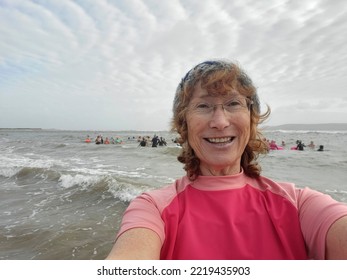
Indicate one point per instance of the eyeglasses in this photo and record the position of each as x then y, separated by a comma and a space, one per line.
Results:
233, 105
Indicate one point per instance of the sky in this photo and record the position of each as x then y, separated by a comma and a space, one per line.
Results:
115, 65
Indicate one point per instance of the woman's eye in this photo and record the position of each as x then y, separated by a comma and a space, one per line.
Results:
202, 106
233, 103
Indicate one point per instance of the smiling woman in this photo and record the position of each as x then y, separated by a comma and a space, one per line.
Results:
218, 140
223, 208
197, 96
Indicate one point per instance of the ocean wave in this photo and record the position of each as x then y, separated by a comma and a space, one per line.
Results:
9, 172
123, 189
67, 181
307, 131
37, 172
340, 195
29, 172
28, 165
336, 191
172, 150
123, 185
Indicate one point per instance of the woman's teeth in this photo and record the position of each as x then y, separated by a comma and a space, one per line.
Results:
220, 140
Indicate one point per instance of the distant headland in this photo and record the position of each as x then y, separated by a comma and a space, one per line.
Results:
20, 128
295, 127
314, 127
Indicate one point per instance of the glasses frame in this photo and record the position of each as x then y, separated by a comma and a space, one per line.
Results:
210, 107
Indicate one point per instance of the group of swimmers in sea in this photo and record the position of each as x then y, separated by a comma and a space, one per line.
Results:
155, 141
299, 146
144, 141
100, 140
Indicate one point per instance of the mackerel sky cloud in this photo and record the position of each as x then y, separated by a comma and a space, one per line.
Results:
115, 65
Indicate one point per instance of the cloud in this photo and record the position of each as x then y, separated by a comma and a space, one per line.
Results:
116, 64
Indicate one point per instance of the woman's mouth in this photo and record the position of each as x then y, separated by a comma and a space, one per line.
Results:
220, 140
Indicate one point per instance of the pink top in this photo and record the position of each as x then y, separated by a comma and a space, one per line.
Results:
235, 217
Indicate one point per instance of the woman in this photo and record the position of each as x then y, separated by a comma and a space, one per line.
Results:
223, 208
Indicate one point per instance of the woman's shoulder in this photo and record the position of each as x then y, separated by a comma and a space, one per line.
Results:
163, 196
287, 190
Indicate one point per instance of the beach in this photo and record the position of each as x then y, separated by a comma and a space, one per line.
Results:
62, 198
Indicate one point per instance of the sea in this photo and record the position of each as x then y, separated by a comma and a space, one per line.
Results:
63, 199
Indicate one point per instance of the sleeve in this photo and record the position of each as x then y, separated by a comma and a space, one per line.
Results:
317, 212
143, 212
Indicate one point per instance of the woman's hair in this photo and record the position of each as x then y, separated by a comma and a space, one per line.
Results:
218, 78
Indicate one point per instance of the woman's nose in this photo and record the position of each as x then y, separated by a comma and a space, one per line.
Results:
219, 118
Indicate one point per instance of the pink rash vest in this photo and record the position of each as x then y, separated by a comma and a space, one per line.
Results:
235, 217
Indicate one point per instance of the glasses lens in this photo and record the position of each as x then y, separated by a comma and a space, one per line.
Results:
232, 105
235, 104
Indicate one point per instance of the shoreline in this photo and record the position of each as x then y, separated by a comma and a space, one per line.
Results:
288, 127
308, 127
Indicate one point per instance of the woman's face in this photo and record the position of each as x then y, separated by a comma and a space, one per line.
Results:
218, 134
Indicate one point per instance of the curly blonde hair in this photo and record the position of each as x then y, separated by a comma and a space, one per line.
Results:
218, 77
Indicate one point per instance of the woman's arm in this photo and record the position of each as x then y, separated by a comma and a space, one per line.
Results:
136, 244
336, 241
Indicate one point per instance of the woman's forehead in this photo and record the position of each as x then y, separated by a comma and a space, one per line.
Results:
200, 92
